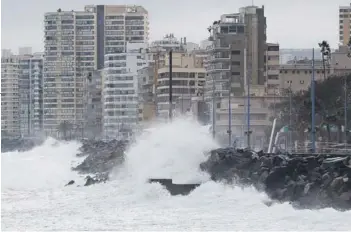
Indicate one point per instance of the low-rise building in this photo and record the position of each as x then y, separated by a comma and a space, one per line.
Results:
188, 79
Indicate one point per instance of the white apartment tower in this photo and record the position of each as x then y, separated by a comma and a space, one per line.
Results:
120, 91
10, 102
75, 45
30, 94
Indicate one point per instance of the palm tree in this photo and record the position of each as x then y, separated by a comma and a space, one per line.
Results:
325, 51
63, 128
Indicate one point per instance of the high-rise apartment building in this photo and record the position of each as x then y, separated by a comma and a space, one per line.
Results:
30, 94
272, 68
70, 53
236, 56
75, 45
120, 91
238, 50
344, 24
10, 102
21, 87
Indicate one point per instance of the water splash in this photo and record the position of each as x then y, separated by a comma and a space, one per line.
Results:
45, 166
170, 150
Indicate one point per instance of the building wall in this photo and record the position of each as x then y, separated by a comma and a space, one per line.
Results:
69, 56
299, 73
344, 24
120, 91
31, 94
75, 44
93, 128
10, 102
272, 68
186, 82
259, 119
298, 76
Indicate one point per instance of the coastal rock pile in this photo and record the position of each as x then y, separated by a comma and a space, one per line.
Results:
19, 144
101, 157
306, 181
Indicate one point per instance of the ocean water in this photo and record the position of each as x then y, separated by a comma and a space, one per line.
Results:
34, 198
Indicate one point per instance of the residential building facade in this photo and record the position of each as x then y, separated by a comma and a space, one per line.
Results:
10, 101
93, 126
75, 45
31, 94
120, 92
69, 55
272, 67
188, 79
344, 24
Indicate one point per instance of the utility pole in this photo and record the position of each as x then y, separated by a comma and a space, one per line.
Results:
247, 78
229, 99
313, 138
290, 116
170, 86
345, 110
213, 109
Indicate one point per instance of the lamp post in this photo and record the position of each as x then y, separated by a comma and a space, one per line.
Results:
229, 99
313, 135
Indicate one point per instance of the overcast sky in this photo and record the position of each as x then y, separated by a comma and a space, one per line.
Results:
294, 24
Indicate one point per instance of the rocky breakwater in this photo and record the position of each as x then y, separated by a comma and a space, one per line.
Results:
100, 158
304, 180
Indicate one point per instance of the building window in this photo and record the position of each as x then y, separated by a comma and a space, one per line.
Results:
302, 82
236, 52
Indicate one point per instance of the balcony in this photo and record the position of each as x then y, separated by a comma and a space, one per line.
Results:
217, 58
243, 122
217, 47
273, 72
218, 68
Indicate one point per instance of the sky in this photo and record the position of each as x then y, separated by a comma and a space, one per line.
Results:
292, 24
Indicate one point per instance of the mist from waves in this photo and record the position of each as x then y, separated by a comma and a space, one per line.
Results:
37, 200
45, 166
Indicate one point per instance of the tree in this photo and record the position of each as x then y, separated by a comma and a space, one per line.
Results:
329, 108
64, 128
325, 51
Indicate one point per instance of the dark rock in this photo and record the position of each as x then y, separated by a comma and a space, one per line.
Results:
101, 156
70, 183
304, 180
94, 180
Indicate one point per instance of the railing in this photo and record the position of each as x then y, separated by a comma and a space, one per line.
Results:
321, 148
